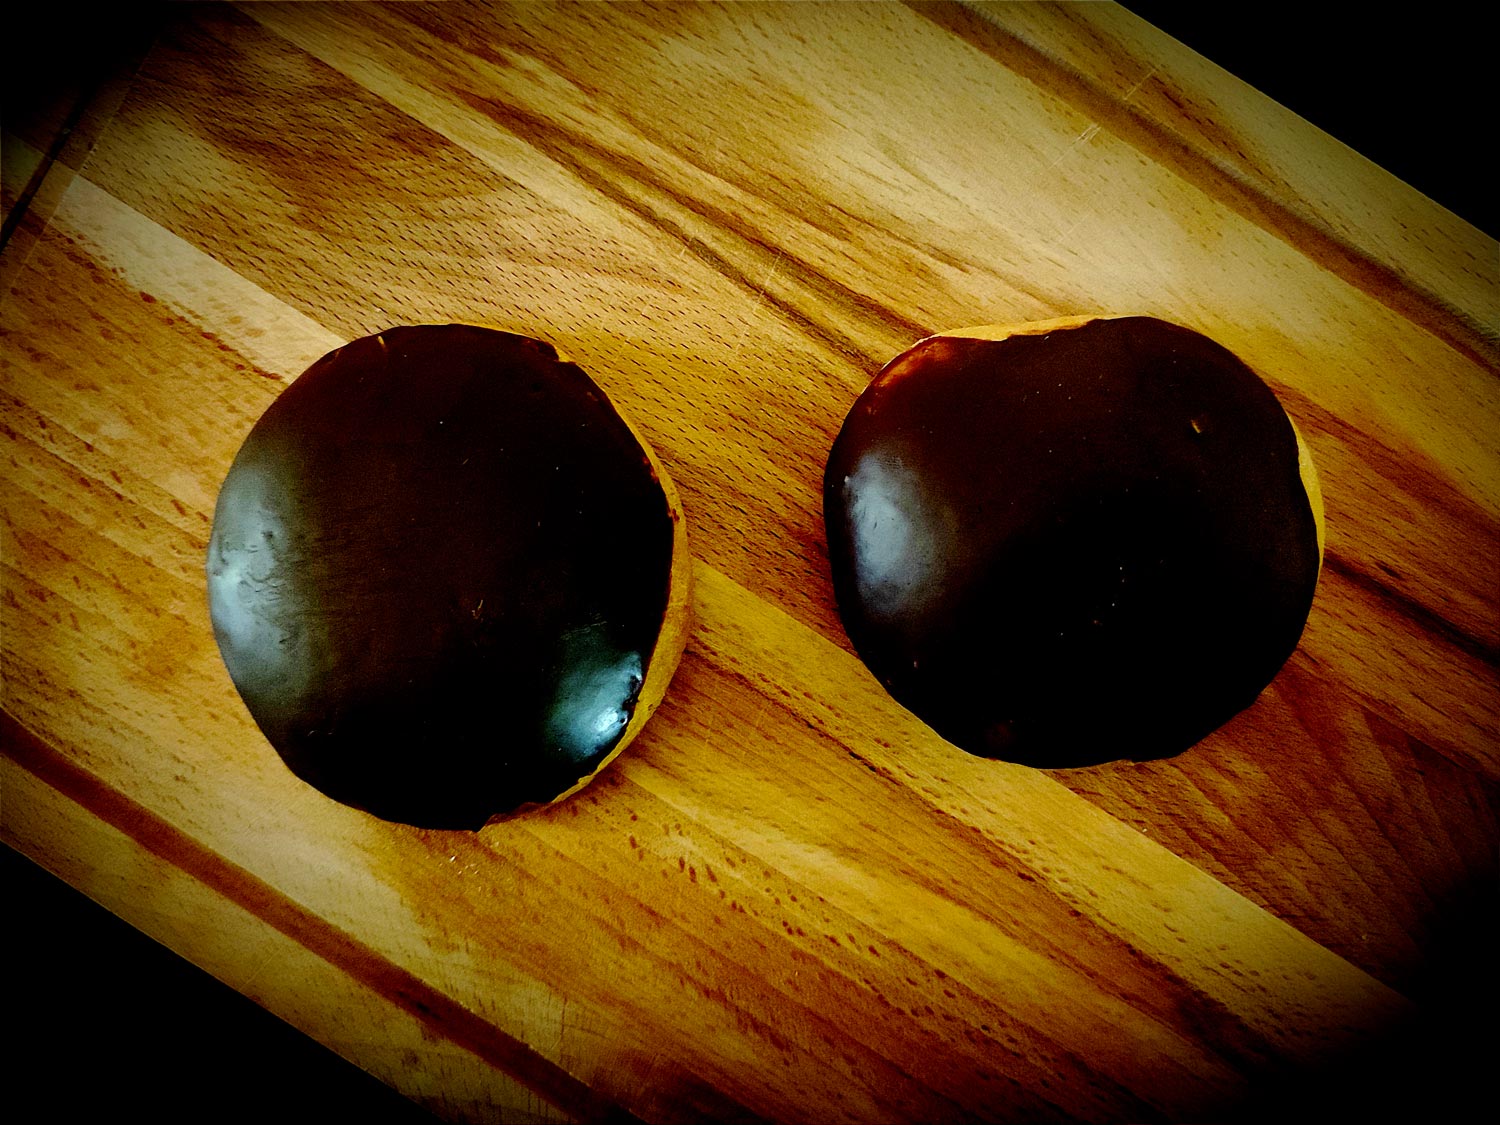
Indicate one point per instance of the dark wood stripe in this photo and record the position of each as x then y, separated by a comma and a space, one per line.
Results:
1419, 615
609, 173
440, 1014
1304, 233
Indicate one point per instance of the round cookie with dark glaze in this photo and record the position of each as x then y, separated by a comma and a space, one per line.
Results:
1072, 542
448, 579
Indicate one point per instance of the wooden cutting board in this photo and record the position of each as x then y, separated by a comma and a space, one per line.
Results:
788, 900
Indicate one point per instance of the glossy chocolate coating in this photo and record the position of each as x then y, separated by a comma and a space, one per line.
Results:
1068, 548
438, 569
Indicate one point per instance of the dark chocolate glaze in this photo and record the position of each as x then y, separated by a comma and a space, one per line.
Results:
438, 569
1069, 548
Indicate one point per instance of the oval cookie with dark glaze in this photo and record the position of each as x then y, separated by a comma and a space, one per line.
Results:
447, 577
1075, 541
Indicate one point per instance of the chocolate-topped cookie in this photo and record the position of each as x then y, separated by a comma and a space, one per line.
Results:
446, 576
1071, 542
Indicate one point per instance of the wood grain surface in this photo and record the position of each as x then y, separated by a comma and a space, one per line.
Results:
789, 899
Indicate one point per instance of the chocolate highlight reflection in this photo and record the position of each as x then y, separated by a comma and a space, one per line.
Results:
1072, 542
447, 578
